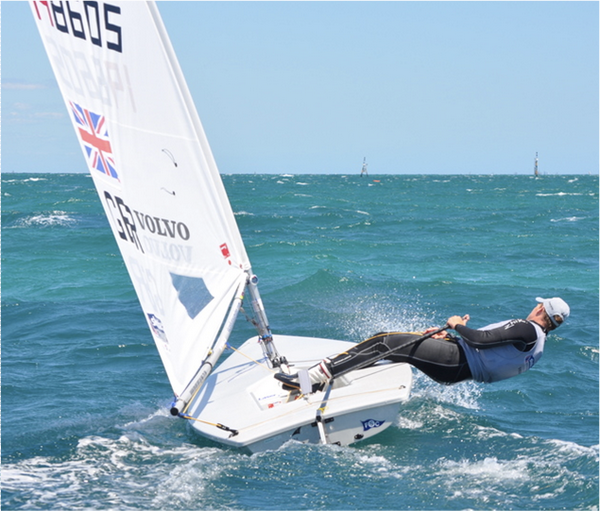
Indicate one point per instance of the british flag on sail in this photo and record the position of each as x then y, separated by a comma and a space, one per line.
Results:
94, 137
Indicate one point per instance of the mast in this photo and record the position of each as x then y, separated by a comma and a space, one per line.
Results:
535, 165
262, 326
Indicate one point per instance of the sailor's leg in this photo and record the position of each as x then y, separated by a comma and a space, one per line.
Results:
443, 360
368, 351
360, 355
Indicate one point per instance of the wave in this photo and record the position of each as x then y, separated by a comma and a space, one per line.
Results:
489, 479
123, 473
26, 180
567, 219
591, 352
572, 450
465, 394
53, 219
131, 472
562, 194
543, 472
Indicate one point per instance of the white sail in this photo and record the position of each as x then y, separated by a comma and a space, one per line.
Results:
153, 169
166, 204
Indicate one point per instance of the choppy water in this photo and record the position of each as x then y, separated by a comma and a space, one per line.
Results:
85, 420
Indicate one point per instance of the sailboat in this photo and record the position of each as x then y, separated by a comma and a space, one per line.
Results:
164, 199
535, 166
363, 170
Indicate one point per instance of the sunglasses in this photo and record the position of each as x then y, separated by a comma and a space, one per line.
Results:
553, 322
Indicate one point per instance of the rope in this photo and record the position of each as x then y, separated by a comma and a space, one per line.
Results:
251, 359
216, 424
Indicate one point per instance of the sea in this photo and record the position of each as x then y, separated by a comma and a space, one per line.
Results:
85, 399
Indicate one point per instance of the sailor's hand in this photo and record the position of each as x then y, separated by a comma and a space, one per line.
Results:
458, 320
440, 335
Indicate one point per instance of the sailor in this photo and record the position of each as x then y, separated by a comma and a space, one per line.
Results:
489, 354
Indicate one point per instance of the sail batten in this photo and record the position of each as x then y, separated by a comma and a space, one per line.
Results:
152, 166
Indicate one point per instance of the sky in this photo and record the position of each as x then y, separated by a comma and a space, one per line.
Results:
315, 87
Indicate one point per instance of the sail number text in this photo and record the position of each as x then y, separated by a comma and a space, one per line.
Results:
95, 21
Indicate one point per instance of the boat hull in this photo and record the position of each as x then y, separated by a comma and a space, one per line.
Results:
242, 395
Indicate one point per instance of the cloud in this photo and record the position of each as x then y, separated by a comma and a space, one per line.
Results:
21, 113
49, 115
21, 106
22, 86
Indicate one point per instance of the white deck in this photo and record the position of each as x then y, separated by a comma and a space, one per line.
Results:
244, 396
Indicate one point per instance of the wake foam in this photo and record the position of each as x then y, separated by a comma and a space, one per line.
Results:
53, 219
465, 394
127, 472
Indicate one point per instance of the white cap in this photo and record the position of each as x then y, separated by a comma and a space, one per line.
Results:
555, 307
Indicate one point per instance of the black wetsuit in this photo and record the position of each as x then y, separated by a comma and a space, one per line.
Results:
443, 360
